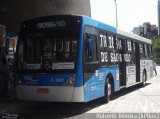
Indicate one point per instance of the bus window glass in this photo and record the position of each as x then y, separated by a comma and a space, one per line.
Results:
141, 48
133, 47
47, 48
148, 51
145, 48
38, 49
91, 48
30, 51
144, 51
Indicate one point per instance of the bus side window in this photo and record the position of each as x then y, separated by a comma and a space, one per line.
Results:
133, 46
91, 48
145, 51
150, 51
141, 50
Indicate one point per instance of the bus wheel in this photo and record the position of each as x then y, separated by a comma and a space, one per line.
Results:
108, 92
144, 79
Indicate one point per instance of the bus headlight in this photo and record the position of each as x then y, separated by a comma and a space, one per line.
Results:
70, 81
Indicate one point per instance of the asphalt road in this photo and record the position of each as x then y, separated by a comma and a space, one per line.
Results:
132, 100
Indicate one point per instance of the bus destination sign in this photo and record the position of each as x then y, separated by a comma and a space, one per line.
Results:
51, 24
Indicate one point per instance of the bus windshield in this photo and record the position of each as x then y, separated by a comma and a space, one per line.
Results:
42, 51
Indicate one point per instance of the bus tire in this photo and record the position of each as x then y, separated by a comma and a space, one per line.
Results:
108, 91
144, 78
105, 98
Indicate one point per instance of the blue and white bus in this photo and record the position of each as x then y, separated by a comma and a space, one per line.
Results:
69, 58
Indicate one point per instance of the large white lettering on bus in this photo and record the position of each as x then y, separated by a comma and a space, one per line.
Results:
118, 44
103, 40
104, 57
108, 42
111, 42
127, 57
116, 57
103, 44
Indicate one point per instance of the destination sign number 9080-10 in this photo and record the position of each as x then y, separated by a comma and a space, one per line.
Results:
51, 24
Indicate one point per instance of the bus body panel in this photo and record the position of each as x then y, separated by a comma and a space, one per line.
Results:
28, 85
146, 65
130, 76
44, 79
115, 72
50, 93
95, 85
50, 80
79, 70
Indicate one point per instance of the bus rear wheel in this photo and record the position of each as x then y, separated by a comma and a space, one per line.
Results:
144, 78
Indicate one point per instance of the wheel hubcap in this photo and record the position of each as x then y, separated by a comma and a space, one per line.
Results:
144, 79
109, 89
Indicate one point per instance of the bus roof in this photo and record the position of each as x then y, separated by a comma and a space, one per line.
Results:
95, 23
89, 21
107, 27
134, 36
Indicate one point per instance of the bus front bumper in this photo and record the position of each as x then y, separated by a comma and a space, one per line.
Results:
51, 94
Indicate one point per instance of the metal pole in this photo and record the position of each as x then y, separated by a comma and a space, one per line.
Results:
116, 13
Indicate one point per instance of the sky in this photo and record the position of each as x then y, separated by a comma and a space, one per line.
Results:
131, 13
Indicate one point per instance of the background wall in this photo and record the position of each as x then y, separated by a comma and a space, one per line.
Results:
13, 12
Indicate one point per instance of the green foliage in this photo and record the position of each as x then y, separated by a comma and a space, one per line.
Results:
156, 48
156, 43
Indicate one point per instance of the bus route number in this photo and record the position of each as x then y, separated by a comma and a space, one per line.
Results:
51, 24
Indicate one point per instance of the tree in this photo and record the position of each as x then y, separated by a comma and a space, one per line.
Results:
156, 48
